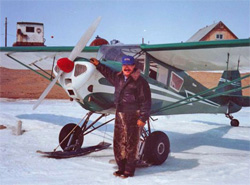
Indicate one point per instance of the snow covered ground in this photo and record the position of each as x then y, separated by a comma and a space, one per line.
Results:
205, 149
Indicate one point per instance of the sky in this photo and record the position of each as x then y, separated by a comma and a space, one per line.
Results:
157, 21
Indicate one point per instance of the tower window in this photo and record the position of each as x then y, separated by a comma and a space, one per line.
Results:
30, 29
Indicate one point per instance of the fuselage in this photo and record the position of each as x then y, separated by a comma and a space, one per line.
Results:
170, 88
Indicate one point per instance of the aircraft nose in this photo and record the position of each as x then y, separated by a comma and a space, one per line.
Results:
83, 70
79, 69
65, 64
74, 81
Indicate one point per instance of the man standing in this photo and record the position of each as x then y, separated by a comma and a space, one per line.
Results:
133, 103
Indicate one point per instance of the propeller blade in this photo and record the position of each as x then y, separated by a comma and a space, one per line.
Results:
47, 90
74, 53
84, 40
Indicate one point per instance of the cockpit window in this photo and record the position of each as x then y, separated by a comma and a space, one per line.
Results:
158, 72
115, 53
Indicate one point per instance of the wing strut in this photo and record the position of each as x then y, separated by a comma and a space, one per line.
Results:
28, 67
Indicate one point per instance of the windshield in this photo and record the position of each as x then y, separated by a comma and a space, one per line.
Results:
116, 52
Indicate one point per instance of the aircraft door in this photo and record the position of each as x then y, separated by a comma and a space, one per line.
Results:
162, 74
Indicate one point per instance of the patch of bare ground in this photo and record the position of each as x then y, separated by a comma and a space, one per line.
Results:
25, 84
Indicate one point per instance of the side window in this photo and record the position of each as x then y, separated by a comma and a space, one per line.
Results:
152, 70
176, 82
162, 74
140, 63
158, 72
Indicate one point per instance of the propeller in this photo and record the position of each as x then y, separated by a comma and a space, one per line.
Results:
69, 61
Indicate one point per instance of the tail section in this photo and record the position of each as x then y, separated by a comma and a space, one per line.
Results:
229, 76
235, 100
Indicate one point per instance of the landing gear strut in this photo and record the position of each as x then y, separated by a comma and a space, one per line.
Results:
234, 122
71, 136
71, 139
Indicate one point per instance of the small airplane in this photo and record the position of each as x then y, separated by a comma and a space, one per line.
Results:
164, 66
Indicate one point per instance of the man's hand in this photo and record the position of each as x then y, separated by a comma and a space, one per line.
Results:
140, 123
94, 61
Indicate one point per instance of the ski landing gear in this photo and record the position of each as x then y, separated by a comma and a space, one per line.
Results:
75, 153
71, 138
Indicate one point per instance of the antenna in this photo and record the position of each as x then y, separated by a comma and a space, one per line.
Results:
5, 31
238, 63
228, 55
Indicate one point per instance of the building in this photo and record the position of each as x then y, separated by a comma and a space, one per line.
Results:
216, 31
29, 34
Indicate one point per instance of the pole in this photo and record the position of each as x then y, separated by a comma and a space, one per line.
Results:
19, 128
5, 31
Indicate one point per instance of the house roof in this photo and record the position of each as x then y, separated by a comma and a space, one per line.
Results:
34, 23
199, 35
202, 32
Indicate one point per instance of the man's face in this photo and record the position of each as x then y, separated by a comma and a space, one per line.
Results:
127, 69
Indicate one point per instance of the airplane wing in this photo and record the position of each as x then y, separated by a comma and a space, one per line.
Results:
38, 57
189, 56
205, 55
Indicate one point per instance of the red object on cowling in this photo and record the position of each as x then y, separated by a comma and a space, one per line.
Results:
65, 65
99, 41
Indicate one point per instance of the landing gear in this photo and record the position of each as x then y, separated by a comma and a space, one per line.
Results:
157, 148
71, 139
71, 136
234, 122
